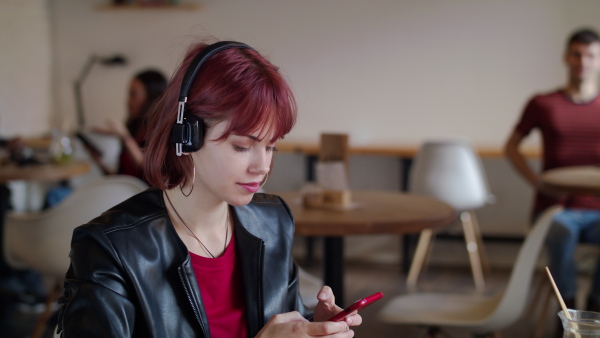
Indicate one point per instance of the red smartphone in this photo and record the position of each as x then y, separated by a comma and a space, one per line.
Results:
357, 306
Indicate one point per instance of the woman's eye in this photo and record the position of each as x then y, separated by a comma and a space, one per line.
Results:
273, 149
240, 149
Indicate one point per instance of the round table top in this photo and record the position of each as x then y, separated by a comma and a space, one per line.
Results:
376, 212
575, 180
43, 172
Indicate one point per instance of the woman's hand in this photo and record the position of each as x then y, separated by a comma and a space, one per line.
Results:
326, 308
112, 127
292, 324
130, 144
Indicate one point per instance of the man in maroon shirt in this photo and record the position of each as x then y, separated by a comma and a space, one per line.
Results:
569, 122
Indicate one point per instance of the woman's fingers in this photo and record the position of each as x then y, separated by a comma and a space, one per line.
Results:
326, 307
354, 320
329, 329
292, 324
293, 316
326, 297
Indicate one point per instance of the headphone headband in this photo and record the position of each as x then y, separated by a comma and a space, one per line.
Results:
199, 60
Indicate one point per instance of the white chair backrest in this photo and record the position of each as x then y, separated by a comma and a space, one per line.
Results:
42, 241
514, 298
451, 171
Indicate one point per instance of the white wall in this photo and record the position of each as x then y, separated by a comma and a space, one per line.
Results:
25, 67
384, 71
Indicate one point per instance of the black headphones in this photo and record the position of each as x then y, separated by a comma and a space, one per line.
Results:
188, 132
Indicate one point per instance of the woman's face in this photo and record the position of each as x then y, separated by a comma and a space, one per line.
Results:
232, 170
137, 98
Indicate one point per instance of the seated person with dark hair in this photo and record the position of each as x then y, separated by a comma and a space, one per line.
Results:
144, 89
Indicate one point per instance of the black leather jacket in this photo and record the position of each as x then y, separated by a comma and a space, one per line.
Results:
131, 275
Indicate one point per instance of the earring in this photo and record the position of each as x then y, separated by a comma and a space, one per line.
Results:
264, 180
193, 180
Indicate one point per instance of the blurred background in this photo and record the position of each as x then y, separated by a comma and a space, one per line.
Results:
385, 72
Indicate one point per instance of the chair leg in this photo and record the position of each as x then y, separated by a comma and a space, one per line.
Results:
418, 259
40, 326
485, 262
546, 294
540, 291
473, 250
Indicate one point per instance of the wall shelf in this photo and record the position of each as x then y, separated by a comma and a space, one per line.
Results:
150, 7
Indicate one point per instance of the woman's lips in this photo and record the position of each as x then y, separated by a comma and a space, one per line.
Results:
251, 187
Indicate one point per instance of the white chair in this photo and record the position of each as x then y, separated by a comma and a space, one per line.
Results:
451, 171
42, 241
476, 313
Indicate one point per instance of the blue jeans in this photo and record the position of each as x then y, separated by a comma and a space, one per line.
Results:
569, 228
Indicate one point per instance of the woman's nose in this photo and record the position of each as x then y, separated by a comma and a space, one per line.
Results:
262, 163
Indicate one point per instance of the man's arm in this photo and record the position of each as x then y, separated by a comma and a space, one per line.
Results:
517, 159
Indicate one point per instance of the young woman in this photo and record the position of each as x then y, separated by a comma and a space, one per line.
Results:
201, 254
144, 90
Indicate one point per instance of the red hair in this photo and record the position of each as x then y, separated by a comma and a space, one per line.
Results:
236, 84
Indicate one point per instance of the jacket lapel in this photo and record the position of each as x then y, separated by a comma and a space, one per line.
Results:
251, 258
190, 285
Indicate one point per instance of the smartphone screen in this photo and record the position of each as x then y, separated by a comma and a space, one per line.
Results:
356, 306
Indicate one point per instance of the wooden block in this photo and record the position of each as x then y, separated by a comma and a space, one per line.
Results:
312, 199
337, 197
334, 147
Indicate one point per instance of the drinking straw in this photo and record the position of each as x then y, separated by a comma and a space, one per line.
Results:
560, 299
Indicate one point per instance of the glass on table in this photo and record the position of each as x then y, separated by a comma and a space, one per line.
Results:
61, 149
583, 324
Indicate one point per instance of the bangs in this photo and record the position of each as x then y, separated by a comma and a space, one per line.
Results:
268, 108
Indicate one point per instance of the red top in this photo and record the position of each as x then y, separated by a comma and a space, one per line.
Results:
571, 137
220, 282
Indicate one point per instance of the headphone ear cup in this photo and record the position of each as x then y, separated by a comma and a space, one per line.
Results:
190, 133
197, 130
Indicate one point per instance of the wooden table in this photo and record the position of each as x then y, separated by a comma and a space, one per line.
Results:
404, 152
573, 180
392, 150
33, 175
43, 172
377, 212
